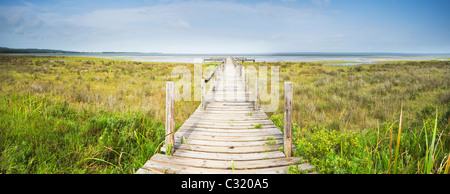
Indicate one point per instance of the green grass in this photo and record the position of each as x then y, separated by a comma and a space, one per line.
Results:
347, 118
371, 150
258, 126
90, 115
45, 136
81, 114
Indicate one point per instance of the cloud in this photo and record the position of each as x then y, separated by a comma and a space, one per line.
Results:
177, 24
181, 26
337, 37
321, 2
19, 19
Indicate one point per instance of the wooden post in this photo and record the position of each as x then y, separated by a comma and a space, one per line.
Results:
203, 94
243, 73
246, 79
170, 117
288, 101
213, 84
246, 85
256, 94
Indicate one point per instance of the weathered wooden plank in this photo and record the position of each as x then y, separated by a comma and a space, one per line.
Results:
179, 169
218, 113
236, 137
247, 136
230, 116
228, 109
232, 104
228, 149
229, 156
224, 119
241, 131
231, 126
232, 121
221, 164
233, 143
146, 171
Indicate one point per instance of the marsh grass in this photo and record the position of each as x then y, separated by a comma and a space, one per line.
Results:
376, 118
361, 97
372, 150
89, 115
82, 115
47, 136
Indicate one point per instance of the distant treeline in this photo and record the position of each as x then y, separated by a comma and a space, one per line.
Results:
11, 50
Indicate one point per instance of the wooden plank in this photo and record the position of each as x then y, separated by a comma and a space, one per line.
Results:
232, 121
207, 111
220, 164
178, 169
231, 116
237, 120
229, 156
232, 143
228, 117
223, 119
233, 104
228, 109
189, 133
232, 126
227, 149
219, 113
244, 132
146, 171
235, 138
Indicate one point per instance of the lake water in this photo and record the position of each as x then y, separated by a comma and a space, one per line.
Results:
349, 58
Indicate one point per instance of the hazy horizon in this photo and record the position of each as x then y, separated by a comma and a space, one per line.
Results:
291, 53
209, 27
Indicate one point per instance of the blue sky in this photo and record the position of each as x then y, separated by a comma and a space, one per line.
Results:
228, 26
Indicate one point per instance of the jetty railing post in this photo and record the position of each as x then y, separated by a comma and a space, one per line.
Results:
213, 84
170, 117
203, 94
246, 85
288, 101
243, 73
256, 94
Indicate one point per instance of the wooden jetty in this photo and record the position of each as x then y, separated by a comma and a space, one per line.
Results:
215, 59
228, 133
242, 59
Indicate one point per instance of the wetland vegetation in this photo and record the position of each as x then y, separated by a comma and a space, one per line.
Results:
82, 115
381, 118
88, 115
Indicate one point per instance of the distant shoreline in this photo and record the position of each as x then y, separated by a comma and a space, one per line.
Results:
326, 57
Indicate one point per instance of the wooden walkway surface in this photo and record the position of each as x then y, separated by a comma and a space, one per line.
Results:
229, 136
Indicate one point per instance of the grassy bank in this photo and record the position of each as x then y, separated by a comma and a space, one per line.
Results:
50, 136
347, 119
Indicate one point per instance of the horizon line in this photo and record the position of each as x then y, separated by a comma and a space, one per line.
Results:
217, 53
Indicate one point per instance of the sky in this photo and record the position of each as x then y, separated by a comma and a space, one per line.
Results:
200, 26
